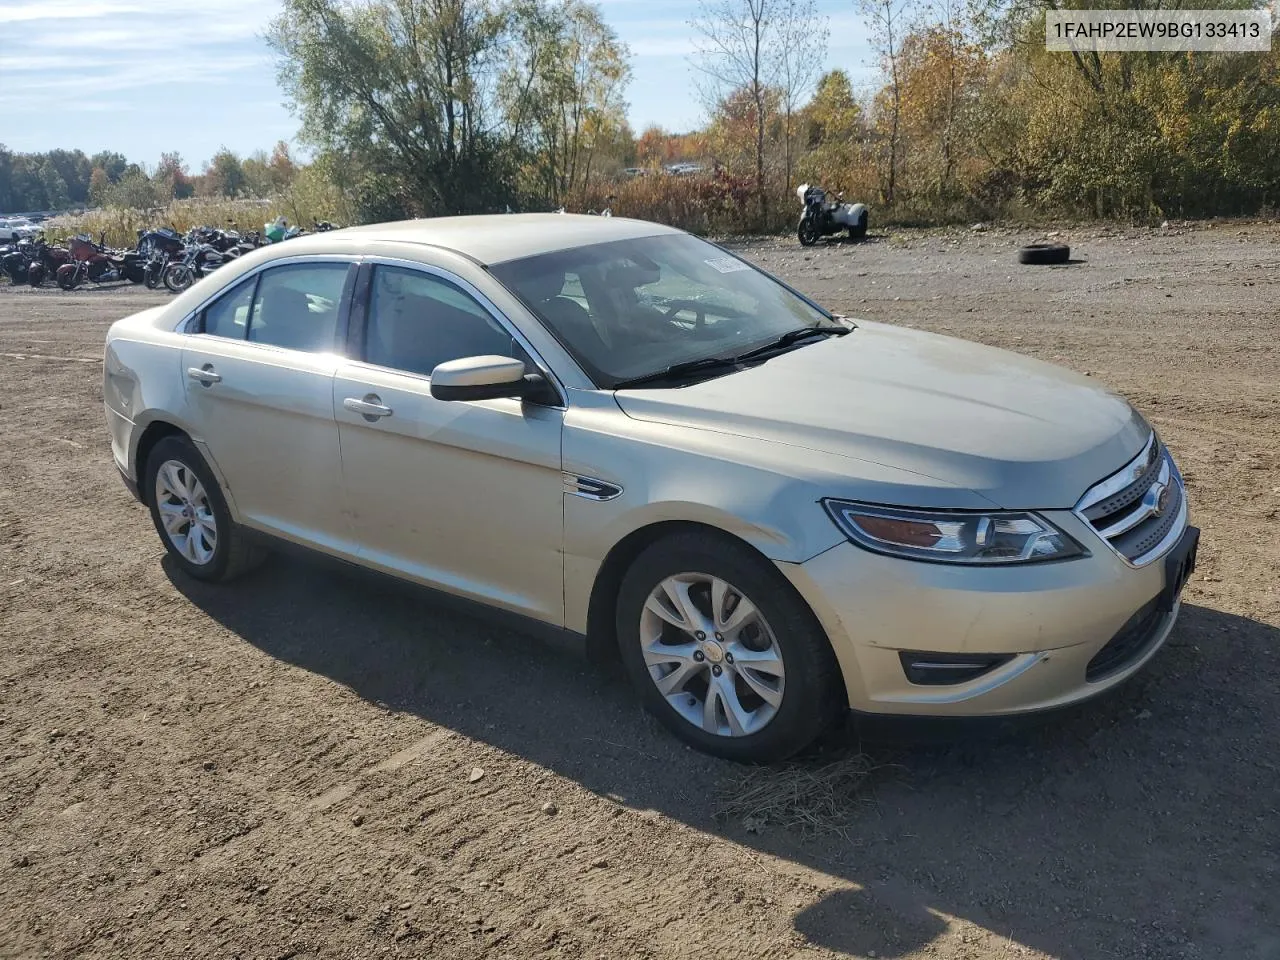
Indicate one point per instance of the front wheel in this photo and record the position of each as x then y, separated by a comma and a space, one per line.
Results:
807, 232
68, 277
35, 274
178, 276
723, 650
191, 515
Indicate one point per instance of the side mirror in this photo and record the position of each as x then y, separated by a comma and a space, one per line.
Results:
481, 378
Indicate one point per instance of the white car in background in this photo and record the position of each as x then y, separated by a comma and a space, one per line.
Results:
14, 229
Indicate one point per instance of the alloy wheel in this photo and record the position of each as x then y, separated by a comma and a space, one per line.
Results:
712, 655
185, 512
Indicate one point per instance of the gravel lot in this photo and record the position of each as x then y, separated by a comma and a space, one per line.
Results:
284, 768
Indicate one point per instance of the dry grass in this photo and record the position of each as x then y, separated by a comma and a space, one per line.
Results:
121, 226
811, 798
708, 204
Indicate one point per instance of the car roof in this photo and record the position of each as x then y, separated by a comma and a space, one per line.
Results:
497, 238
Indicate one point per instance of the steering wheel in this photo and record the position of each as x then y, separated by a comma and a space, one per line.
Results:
673, 307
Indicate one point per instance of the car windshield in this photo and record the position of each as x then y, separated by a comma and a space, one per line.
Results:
632, 308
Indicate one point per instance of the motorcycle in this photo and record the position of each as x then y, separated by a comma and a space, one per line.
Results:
15, 262
95, 263
199, 260
821, 217
159, 247
45, 261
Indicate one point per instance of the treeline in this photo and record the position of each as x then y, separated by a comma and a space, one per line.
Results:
65, 179
421, 107
430, 107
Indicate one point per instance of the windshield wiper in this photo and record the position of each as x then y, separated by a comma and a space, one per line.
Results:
792, 337
678, 370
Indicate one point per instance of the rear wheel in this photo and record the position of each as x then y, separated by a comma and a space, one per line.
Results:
859, 228
723, 651
191, 515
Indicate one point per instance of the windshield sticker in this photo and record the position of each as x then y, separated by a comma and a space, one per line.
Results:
727, 265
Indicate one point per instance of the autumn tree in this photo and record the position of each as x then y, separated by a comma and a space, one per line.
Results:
801, 50
561, 92
171, 178
738, 55
888, 21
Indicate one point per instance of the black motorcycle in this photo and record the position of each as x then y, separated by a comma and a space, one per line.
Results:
14, 261
198, 260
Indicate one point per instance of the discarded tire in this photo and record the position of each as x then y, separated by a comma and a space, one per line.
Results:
1044, 253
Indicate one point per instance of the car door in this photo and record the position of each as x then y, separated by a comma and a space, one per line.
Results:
259, 377
464, 496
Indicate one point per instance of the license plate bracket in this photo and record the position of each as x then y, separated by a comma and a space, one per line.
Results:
1179, 564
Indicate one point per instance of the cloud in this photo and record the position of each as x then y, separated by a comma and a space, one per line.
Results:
25, 11
86, 49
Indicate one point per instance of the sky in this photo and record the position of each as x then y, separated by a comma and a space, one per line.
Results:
147, 76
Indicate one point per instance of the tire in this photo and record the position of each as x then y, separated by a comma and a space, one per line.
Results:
807, 233
811, 690
151, 276
178, 277
1041, 254
68, 277
35, 274
175, 464
135, 271
859, 229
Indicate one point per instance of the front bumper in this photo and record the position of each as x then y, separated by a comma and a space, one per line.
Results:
1053, 618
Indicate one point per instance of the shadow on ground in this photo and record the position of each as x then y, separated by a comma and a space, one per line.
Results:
1097, 835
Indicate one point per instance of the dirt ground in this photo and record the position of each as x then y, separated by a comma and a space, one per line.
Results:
283, 768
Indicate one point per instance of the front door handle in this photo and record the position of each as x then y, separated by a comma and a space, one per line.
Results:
370, 407
204, 374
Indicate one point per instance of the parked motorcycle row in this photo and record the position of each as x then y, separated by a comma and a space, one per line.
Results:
162, 257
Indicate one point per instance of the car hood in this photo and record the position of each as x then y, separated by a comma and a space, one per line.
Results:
1020, 433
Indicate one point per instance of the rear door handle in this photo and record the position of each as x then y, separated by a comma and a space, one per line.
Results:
370, 407
204, 374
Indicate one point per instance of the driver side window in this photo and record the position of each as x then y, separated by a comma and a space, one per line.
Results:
418, 320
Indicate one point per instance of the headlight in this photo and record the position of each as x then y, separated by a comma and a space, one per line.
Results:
977, 538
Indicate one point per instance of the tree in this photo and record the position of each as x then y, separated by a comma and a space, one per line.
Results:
802, 47
134, 191
171, 177
224, 175
99, 185
281, 168
403, 89
888, 20
739, 49
55, 187
562, 91
111, 163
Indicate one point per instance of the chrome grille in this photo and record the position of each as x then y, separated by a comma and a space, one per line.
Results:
1141, 510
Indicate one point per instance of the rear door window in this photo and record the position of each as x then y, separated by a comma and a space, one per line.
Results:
297, 306
228, 316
